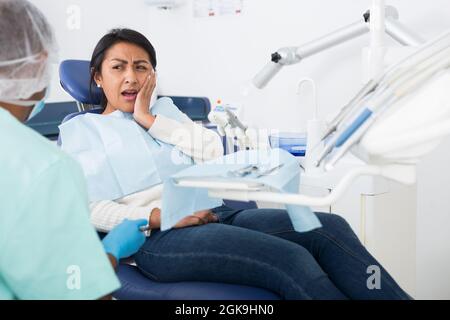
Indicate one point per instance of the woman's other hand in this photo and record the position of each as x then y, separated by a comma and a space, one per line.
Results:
141, 111
196, 219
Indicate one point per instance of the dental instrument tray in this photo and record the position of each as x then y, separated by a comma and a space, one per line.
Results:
220, 183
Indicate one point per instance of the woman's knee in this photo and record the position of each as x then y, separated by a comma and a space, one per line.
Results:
331, 220
336, 227
269, 221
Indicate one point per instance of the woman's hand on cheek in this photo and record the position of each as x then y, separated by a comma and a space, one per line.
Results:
141, 112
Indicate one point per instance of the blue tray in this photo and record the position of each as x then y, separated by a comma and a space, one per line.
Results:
292, 142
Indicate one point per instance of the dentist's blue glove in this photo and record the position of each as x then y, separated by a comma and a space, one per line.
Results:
125, 239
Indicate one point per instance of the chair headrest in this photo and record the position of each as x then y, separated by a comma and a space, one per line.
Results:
75, 80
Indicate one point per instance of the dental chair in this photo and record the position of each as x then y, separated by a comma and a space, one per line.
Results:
75, 80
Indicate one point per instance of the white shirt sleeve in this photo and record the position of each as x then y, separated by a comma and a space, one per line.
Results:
105, 215
192, 139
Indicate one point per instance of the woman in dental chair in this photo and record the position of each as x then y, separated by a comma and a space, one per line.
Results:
125, 155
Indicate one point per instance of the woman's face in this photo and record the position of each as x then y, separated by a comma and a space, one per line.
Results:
124, 70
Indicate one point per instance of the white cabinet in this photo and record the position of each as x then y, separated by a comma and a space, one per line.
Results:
389, 224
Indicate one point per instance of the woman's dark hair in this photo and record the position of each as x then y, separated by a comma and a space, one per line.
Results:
110, 39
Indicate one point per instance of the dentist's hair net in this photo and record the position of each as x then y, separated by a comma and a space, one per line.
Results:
27, 46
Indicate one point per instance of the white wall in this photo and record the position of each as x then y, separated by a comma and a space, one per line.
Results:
216, 57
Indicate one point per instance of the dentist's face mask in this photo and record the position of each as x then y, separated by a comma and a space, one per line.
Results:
37, 105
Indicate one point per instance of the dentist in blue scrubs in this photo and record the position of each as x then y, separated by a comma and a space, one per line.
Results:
48, 248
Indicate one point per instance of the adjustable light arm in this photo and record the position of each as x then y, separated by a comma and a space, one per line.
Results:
292, 55
400, 33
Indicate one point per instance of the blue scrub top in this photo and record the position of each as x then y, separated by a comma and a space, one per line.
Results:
48, 248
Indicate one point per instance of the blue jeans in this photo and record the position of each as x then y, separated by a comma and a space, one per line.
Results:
259, 247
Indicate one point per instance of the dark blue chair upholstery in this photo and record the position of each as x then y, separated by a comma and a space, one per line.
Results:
75, 79
196, 108
136, 286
